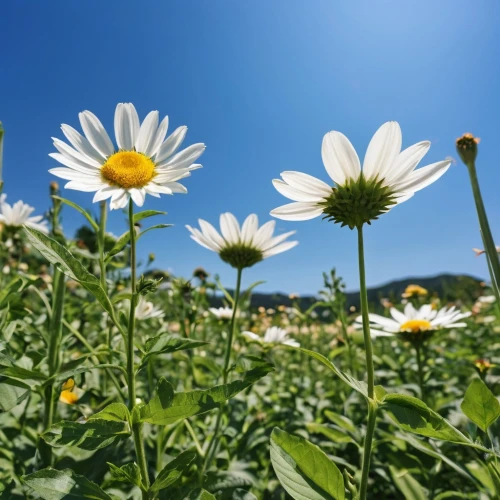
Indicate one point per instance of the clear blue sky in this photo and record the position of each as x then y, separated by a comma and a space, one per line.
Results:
260, 83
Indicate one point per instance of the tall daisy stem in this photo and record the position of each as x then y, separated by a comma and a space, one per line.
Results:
100, 240
420, 366
212, 446
372, 408
489, 244
136, 428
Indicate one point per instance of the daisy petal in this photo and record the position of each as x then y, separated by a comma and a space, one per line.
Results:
126, 126
297, 211
96, 133
382, 150
340, 158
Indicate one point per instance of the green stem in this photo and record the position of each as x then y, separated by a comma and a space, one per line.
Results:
54, 360
370, 427
489, 244
100, 241
212, 446
136, 428
420, 372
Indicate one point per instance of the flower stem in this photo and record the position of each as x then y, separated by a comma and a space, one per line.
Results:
136, 428
420, 372
489, 244
212, 446
370, 426
100, 240
55, 337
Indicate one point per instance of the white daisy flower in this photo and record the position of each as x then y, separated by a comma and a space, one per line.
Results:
147, 310
18, 214
413, 322
245, 246
273, 335
143, 163
224, 313
388, 177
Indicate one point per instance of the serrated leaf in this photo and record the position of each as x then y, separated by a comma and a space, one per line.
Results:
480, 405
304, 470
115, 412
91, 435
166, 407
51, 484
62, 258
357, 385
128, 473
173, 471
145, 214
415, 416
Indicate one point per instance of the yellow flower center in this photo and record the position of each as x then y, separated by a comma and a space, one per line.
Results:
416, 326
128, 169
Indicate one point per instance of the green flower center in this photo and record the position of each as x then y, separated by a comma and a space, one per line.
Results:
241, 256
357, 202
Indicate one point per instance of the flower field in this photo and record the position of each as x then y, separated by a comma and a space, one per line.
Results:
120, 380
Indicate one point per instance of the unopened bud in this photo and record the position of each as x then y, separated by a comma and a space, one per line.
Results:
54, 188
467, 148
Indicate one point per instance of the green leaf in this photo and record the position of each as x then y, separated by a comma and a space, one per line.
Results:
333, 434
129, 473
12, 287
29, 377
407, 484
357, 385
152, 228
12, 393
415, 416
239, 494
341, 421
145, 214
173, 471
119, 245
165, 343
199, 494
62, 258
91, 435
84, 212
166, 407
51, 484
480, 405
115, 412
303, 469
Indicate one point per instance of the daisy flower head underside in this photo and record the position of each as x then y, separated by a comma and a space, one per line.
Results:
415, 324
389, 176
145, 161
273, 335
243, 246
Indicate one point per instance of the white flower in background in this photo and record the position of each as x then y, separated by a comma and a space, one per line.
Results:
147, 310
486, 299
245, 246
414, 321
273, 335
224, 313
18, 215
389, 177
143, 163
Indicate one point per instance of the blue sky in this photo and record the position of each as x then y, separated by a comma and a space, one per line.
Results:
260, 83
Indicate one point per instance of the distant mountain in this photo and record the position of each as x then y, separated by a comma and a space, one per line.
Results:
449, 287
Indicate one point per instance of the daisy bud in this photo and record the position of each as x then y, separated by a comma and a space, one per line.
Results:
467, 148
482, 365
54, 188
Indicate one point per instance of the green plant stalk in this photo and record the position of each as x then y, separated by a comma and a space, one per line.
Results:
100, 241
136, 428
370, 426
212, 446
489, 244
420, 372
55, 338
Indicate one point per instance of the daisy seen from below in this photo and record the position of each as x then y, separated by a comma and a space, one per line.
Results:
144, 161
359, 196
415, 324
19, 213
273, 335
389, 176
240, 247
223, 313
243, 246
